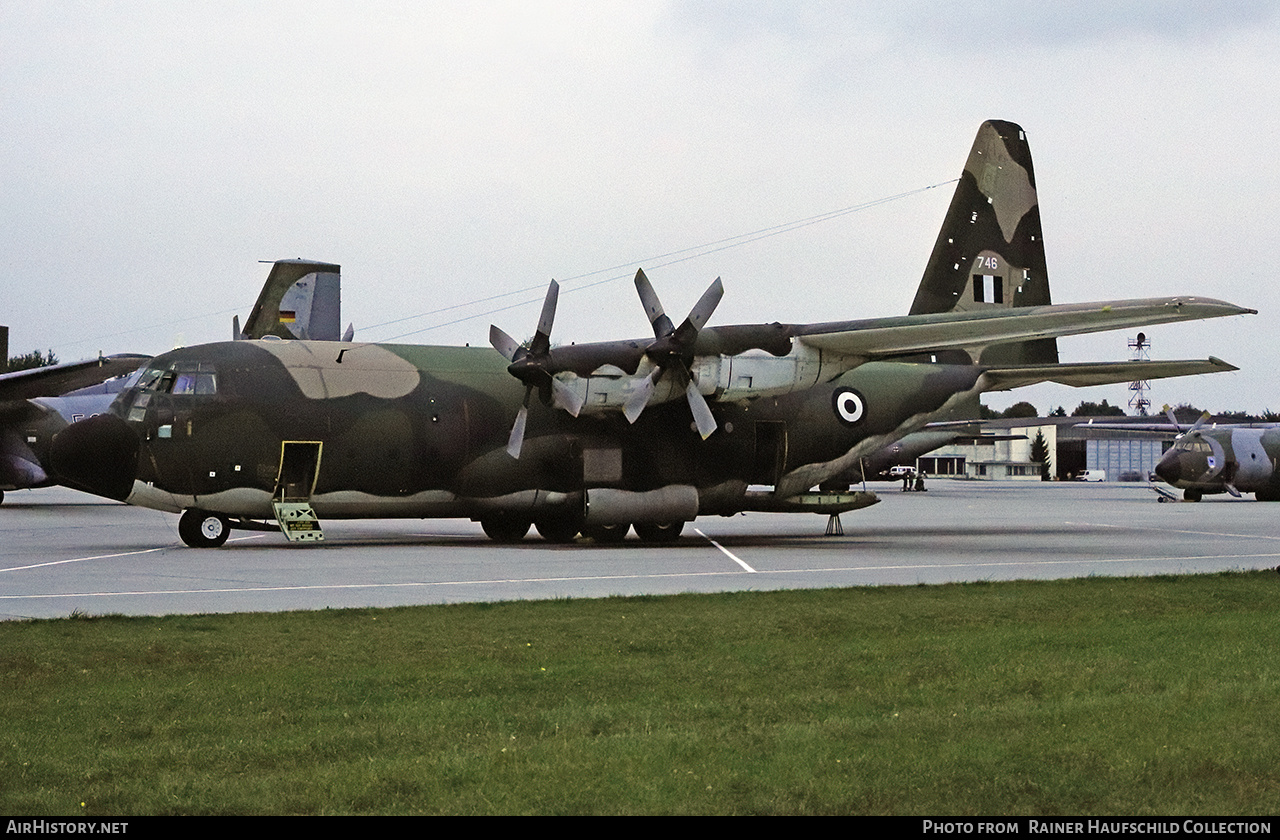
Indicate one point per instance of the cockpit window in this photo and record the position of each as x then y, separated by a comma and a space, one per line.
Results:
180, 378
195, 382
147, 381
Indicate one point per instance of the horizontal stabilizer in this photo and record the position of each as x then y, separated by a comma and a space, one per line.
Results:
974, 331
1081, 374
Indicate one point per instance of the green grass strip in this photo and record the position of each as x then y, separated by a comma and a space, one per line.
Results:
1094, 696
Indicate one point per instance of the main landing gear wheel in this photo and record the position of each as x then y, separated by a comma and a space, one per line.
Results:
557, 530
203, 529
1191, 495
505, 529
659, 532
606, 534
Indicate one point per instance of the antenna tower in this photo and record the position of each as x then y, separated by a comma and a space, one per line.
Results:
1139, 351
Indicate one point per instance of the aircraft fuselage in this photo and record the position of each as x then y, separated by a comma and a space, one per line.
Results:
414, 431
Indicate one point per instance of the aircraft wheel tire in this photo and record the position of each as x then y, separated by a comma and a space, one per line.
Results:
1267, 496
607, 534
557, 530
505, 529
1191, 495
202, 529
659, 532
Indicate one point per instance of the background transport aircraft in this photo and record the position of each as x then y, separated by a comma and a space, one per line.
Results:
651, 432
1208, 458
1231, 459
300, 299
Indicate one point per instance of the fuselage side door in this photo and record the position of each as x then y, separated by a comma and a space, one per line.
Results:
299, 467
770, 458
295, 482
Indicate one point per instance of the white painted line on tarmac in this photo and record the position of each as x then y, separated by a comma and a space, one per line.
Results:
84, 559
735, 558
587, 578
1178, 531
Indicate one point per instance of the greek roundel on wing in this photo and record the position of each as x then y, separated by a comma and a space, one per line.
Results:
848, 405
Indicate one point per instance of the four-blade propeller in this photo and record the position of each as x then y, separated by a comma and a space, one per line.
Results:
531, 366
670, 350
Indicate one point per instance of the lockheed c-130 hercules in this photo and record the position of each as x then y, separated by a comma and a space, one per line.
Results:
598, 438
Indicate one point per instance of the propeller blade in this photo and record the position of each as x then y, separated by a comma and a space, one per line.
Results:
640, 396
1199, 422
1168, 412
542, 338
562, 396
706, 305
516, 441
503, 343
652, 306
701, 411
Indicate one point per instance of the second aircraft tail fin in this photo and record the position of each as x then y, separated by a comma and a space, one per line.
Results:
301, 299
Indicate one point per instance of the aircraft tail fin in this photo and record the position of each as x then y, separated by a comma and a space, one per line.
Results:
301, 299
990, 251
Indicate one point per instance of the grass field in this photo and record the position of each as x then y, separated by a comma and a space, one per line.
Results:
1093, 696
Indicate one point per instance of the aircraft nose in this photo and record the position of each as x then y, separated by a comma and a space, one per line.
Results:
1170, 467
98, 455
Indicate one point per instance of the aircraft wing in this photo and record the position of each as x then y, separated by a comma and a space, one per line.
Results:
974, 331
55, 380
1081, 374
1163, 429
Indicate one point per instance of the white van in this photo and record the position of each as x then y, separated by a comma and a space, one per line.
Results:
1092, 475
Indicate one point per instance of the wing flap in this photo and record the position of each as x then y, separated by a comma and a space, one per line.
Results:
973, 331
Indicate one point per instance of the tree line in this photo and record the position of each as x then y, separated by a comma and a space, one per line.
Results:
34, 359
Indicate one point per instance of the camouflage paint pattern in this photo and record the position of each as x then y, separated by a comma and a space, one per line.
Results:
1226, 459
37, 404
990, 252
364, 430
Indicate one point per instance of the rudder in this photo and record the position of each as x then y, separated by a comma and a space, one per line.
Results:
990, 251
301, 299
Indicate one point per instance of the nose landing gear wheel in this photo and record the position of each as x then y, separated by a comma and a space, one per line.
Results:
203, 529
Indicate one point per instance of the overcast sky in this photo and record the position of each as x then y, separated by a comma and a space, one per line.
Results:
151, 154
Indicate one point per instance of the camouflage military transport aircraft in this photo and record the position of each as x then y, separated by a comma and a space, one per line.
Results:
597, 438
1209, 458
300, 299
1231, 459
